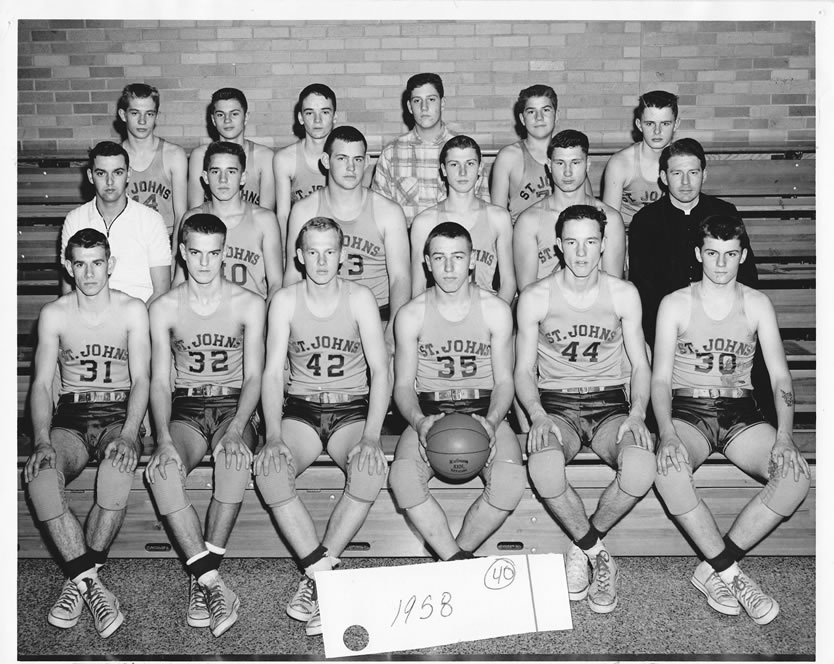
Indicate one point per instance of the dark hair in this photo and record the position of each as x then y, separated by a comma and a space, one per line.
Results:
137, 91
107, 149
568, 138
347, 134
461, 142
224, 94
449, 229
87, 238
573, 212
657, 99
224, 147
682, 147
317, 89
535, 91
202, 222
422, 79
722, 227
319, 224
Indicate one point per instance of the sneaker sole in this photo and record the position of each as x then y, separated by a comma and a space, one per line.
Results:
198, 622
314, 631
720, 608
603, 608
223, 627
769, 616
113, 626
578, 596
63, 623
295, 614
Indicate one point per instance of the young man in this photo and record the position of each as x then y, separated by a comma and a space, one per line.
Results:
488, 225
329, 330
701, 392
159, 169
575, 329
136, 234
534, 233
99, 337
297, 166
408, 168
454, 354
229, 113
630, 179
253, 251
375, 236
213, 329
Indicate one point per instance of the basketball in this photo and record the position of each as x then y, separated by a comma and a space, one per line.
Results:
457, 447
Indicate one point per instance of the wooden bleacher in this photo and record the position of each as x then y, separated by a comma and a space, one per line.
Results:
775, 194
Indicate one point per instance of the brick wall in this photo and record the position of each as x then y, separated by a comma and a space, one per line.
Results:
740, 83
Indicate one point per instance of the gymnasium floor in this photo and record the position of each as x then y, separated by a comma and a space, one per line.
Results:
660, 616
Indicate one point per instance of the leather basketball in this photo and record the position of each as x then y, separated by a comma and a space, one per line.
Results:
457, 447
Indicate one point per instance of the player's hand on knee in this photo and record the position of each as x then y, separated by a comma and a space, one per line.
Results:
538, 437
233, 445
637, 426
269, 458
786, 456
672, 452
370, 455
44, 455
122, 454
158, 463
423, 427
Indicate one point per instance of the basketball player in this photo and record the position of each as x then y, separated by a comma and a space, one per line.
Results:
136, 234
298, 172
454, 354
375, 236
575, 328
702, 397
488, 225
631, 176
159, 169
330, 330
214, 330
534, 233
229, 113
99, 337
408, 168
253, 249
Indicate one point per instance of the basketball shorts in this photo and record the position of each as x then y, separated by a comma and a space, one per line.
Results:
385, 312
206, 415
585, 413
478, 406
325, 418
95, 423
719, 420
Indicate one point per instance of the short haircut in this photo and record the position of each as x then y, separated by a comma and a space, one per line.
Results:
108, 149
347, 134
224, 147
535, 91
319, 224
688, 147
722, 227
224, 94
422, 79
202, 222
137, 91
460, 142
87, 238
449, 229
657, 99
568, 138
574, 212
317, 89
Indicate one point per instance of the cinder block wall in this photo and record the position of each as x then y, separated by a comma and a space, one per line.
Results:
740, 83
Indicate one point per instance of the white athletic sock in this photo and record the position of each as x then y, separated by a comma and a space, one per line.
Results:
729, 574
215, 549
594, 550
322, 565
192, 559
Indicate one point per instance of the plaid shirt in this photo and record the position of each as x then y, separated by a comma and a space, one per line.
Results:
408, 172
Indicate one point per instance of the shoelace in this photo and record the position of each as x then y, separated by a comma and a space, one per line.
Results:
197, 597
69, 597
603, 571
305, 594
217, 600
96, 600
748, 593
720, 589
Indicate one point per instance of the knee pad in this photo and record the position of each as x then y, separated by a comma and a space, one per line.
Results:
46, 492
504, 482
363, 485
677, 488
112, 486
409, 481
277, 488
784, 494
547, 472
229, 483
169, 492
637, 470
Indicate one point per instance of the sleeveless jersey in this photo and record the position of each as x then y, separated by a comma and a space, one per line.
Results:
93, 358
534, 187
714, 353
153, 187
251, 192
243, 263
638, 191
365, 260
581, 347
548, 253
208, 350
484, 241
454, 355
306, 180
325, 353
